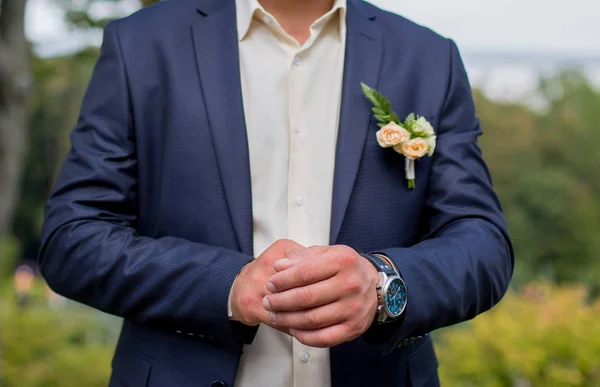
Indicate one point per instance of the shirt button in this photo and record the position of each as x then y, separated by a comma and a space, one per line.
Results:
296, 130
299, 201
305, 357
267, 19
297, 61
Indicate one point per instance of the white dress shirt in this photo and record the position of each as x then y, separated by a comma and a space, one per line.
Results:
292, 97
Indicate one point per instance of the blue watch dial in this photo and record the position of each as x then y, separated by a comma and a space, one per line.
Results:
395, 297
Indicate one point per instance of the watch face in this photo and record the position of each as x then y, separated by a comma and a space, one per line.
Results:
395, 297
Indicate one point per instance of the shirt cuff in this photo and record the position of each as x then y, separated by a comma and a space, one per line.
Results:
229, 312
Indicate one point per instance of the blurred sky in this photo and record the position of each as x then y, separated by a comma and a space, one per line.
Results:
557, 26
505, 42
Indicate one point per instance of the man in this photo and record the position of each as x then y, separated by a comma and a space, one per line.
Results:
215, 131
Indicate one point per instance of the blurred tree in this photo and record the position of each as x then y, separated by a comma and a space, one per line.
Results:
60, 83
544, 170
94, 14
15, 82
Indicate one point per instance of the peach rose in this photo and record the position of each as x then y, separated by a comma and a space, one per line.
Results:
413, 149
392, 134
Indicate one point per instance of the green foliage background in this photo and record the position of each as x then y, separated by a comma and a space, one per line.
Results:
62, 346
541, 336
545, 167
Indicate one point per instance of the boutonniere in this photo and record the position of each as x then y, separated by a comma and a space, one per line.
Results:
414, 138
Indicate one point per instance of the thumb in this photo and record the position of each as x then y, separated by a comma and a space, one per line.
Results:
284, 264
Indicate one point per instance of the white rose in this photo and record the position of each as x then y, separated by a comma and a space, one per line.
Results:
413, 149
431, 143
392, 134
423, 127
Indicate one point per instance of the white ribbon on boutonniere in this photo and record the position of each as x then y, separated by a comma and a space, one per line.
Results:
414, 138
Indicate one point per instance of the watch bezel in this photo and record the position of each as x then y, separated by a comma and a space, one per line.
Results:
385, 292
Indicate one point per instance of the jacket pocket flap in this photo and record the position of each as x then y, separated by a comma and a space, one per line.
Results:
130, 369
422, 364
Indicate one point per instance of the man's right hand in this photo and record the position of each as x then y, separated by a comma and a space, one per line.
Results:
250, 288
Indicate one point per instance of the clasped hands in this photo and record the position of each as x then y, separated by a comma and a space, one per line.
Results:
321, 295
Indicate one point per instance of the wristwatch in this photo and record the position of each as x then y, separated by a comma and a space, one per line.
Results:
391, 289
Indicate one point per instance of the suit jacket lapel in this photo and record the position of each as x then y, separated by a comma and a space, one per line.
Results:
362, 64
216, 44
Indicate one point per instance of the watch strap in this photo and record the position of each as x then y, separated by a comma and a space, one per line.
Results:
380, 264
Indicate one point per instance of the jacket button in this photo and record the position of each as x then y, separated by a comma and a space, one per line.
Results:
218, 383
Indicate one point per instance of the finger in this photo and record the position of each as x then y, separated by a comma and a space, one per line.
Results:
285, 263
263, 318
278, 328
306, 272
326, 337
298, 255
305, 297
316, 318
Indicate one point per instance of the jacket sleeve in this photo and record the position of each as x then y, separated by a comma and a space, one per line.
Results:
464, 263
91, 251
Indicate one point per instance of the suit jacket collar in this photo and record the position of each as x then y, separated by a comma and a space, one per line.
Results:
362, 64
217, 57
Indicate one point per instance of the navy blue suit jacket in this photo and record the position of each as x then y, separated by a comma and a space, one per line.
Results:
151, 216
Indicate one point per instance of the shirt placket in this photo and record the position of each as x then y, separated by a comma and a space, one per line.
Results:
298, 183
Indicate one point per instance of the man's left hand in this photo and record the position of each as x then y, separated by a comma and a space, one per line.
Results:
324, 295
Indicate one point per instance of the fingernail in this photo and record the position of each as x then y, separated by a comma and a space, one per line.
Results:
272, 317
293, 332
271, 287
266, 303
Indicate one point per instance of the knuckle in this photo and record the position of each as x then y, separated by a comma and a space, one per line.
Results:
305, 297
302, 338
350, 330
317, 249
353, 285
305, 272
297, 253
347, 250
283, 242
281, 245
287, 245
311, 320
347, 257
362, 327
358, 327
356, 308
274, 303
282, 319
315, 339
324, 339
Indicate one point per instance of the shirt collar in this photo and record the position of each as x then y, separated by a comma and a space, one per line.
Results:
246, 9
